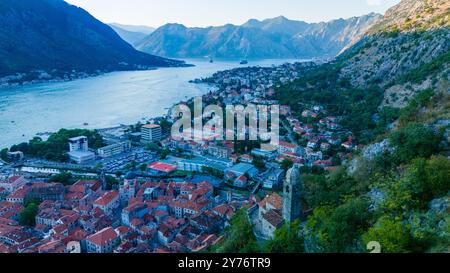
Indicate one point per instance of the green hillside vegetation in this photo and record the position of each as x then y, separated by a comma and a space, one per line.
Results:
347, 214
322, 86
423, 72
399, 196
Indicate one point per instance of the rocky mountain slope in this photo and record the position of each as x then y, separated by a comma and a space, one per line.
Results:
392, 91
55, 37
272, 38
408, 50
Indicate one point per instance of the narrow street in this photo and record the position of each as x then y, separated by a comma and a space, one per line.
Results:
289, 129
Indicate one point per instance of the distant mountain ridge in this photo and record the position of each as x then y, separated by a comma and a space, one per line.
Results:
272, 38
51, 35
131, 34
134, 28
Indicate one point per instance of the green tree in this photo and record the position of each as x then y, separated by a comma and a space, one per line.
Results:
287, 239
411, 112
143, 167
166, 126
336, 161
415, 140
153, 147
340, 186
65, 178
4, 154
239, 237
339, 229
111, 182
132, 164
259, 163
286, 164
27, 217
392, 234
213, 172
245, 146
165, 153
438, 175
387, 115
422, 181
135, 128
315, 190
56, 147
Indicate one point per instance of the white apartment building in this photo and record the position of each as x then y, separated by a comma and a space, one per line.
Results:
151, 133
79, 150
79, 144
114, 149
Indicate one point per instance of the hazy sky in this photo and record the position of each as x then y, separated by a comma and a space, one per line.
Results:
200, 13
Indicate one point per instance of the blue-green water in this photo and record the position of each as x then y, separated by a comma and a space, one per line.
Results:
105, 101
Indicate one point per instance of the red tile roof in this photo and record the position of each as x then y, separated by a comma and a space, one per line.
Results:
243, 179
123, 230
12, 179
103, 237
19, 193
107, 198
288, 145
162, 167
274, 217
274, 200
151, 126
222, 210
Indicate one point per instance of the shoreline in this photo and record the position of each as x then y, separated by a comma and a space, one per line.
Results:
8, 81
144, 119
5, 83
42, 76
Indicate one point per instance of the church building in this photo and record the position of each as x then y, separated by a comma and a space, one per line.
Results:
275, 211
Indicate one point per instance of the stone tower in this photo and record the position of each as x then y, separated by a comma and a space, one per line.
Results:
293, 187
129, 188
102, 178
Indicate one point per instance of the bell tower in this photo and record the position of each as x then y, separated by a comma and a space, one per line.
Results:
293, 187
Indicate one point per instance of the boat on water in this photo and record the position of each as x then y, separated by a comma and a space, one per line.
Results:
244, 62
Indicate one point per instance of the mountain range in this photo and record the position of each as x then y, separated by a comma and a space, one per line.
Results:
132, 34
272, 38
51, 35
133, 28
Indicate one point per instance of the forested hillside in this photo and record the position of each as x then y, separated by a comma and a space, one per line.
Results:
392, 89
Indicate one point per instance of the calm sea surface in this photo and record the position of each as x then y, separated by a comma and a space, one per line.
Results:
105, 101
